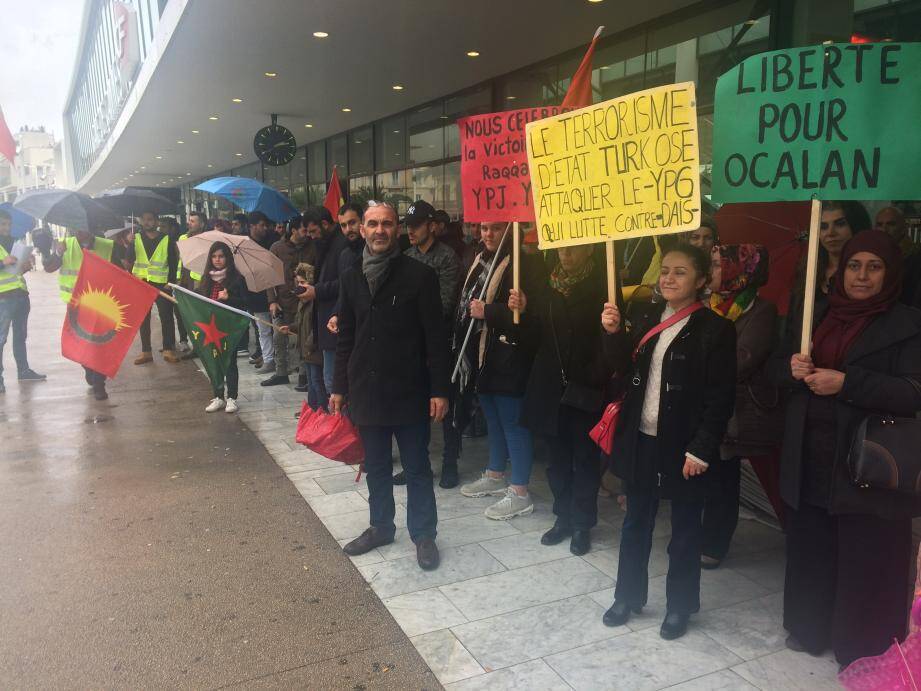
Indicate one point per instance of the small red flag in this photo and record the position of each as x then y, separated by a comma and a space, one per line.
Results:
334, 200
7, 143
105, 311
579, 94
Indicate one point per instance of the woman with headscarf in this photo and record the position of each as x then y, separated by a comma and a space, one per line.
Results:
222, 282
738, 272
848, 547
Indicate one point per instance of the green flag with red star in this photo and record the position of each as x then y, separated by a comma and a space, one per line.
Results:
214, 330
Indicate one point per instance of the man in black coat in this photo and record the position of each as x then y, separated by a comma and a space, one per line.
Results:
333, 245
392, 364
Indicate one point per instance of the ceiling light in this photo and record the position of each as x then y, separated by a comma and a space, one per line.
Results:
510, 98
137, 171
143, 167
320, 34
158, 157
188, 173
212, 117
271, 74
238, 154
346, 110
442, 117
307, 124
594, 1
130, 175
473, 53
237, 100
397, 87
179, 141
751, 22
396, 131
194, 131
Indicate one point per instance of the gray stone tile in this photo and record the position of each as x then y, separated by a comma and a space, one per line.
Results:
333, 504
791, 671
752, 536
724, 680
525, 549
458, 564
334, 480
640, 660
529, 676
310, 471
348, 525
764, 568
307, 487
424, 611
446, 657
452, 533
749, 629
527, 634
526, 587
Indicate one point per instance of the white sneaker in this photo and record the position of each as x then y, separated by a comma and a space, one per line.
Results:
232, 406
509, 506
484, 487
215, 405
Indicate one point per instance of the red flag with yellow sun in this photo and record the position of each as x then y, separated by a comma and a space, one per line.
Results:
105, 311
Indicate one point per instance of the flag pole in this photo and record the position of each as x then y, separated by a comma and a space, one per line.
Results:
202, 297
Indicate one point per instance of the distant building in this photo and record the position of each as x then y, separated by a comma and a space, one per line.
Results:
38, 160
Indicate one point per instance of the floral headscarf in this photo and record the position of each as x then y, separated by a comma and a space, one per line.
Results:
744, 271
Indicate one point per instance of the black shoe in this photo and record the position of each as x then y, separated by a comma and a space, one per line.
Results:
275, 380
449, 477
581, 542
301, 388
674, 626
427, 554
99, 393
794, 644
399, 478
556, 534
254, 358
618, 614
368, 540
87, 376
31, 375
709, 563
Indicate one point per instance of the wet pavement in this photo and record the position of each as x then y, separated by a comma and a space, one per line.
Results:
144, 543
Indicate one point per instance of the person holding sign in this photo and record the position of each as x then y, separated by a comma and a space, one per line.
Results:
848, 547
504, 354
679, 361
564, 396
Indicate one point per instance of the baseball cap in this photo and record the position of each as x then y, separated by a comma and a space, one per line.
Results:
419, 212
441, 216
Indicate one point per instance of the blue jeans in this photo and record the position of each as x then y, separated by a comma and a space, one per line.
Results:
507, 438
316, 391
413, 442
329, 364
14, 312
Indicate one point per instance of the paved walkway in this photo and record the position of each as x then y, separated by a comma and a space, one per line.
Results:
145, 544
505, 612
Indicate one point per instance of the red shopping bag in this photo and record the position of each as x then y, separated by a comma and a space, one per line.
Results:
332, 436
603, 433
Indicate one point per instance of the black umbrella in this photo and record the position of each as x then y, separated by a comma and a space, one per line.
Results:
69, 209
130, 201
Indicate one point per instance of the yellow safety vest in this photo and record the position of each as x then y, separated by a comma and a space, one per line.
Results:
194, 276
154, 269
10, 281
73, 260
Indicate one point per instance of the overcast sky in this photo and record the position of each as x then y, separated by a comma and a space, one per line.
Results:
39, 47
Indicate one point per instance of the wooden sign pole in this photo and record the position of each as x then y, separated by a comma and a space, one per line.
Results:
612, 271
516, 267
812, 262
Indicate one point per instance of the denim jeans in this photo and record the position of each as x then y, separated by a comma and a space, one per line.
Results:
316, 390
413, 442
507, 438
266, 336
14, 313
329, 364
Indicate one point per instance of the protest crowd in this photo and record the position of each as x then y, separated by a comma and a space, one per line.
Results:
415, 322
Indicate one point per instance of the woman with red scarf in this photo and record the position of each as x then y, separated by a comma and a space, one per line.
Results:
848, 548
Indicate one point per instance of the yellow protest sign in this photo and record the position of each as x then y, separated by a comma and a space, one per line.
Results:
615, 170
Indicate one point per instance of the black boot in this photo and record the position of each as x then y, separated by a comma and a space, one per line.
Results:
301, 383
618, 614
674, 626
556, 534
449, 476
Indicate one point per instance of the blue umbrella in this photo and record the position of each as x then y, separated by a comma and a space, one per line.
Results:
22, 222
251, 195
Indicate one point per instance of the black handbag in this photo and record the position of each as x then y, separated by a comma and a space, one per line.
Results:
575, 395
885, 454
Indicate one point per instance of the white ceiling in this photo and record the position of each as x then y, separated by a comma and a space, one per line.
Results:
220, 50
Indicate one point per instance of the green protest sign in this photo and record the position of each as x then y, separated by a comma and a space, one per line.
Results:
835, 121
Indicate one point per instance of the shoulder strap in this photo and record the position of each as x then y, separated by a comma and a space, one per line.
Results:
661, 326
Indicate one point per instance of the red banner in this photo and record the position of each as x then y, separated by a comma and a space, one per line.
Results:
495, 179
105, 311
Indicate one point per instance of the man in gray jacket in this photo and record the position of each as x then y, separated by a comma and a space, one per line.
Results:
426, 248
